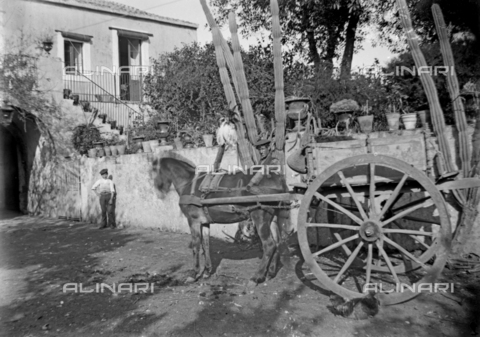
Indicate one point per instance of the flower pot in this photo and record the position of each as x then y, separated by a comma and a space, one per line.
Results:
153, 143
146, 147
393, 120
92, 153
108, 151
101, 152
178, 143
120, 149
425, 117
113, 125
366, 123
409, 121
113, 149
47, 46
208, 139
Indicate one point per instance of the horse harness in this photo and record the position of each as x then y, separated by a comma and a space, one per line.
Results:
211, 183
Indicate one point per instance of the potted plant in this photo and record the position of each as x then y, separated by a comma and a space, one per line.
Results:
409, 119
344, 110
366, 120
121, 147
207, 128
92, 153
178, 141
47, 42
112, 144
393, 118
84, 137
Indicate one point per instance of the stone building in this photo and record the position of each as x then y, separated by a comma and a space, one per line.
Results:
92, 54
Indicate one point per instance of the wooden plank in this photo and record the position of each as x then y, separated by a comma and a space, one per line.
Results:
253, 199
459, 184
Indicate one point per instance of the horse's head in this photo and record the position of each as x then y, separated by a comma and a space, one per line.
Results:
168, 170
161, 176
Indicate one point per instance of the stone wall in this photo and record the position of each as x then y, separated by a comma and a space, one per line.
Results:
139, 204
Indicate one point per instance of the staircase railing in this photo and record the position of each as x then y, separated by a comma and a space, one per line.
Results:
97, 94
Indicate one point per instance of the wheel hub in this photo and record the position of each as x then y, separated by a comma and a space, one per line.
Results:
370, 230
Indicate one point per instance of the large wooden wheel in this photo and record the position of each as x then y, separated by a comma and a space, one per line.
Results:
367, 252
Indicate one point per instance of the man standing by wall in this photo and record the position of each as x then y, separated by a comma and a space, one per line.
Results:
111, 207
105, 190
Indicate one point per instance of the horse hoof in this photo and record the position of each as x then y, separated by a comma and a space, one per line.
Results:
251, 284
189, 280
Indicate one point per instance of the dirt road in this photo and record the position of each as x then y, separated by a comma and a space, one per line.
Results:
38, 257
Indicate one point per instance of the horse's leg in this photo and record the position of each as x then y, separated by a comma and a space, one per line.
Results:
206, 250
276, 236
195, 229
262, 220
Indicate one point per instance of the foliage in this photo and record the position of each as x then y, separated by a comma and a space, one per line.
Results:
407, 85
84, 137
314, 29
23, 85
462, 17
185, 87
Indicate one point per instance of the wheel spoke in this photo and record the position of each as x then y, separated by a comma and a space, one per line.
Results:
405, 252
369, 264
340, 208
393, 197
373, 207
406, 231
336, 245
420, 241
348, 263
329, 225
354, 196
413, 203
344, 247
405, 212
389, 263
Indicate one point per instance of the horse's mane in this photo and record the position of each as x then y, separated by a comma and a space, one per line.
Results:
179, 157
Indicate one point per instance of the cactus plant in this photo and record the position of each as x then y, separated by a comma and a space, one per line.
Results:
244, 147
438, 120
242, 85
453, 88
279, 93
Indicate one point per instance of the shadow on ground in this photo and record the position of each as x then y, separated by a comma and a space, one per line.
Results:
51, 254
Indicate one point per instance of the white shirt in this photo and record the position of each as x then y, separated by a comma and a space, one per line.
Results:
104, 186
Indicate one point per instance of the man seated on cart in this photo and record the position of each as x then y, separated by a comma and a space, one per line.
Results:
266, 159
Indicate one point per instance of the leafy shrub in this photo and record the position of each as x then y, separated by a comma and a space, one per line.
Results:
84, 136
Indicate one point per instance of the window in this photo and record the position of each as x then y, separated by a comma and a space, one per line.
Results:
73, 57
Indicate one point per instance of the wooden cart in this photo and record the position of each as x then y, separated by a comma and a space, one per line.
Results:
393, 233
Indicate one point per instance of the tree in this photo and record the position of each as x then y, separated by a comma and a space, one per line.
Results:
186, 84
313, 29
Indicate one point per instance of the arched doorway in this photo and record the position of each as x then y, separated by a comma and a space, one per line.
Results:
9, 175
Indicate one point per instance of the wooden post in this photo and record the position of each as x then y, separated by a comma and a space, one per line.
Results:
279, 93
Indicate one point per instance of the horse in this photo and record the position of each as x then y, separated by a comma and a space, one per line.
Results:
181, 172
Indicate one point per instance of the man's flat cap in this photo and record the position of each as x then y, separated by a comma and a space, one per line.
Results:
104, 171
262, 142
